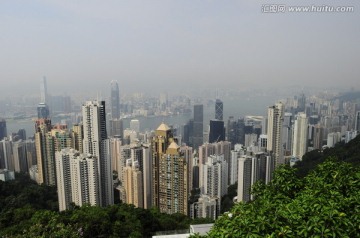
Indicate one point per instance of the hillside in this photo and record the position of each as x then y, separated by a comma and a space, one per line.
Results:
30, 210
349, 152
319, 198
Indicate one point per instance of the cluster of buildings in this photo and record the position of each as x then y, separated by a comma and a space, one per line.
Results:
97, 160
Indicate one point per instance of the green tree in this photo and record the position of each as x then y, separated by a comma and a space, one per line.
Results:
323, 204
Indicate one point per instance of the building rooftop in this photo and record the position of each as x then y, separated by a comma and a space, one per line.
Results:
202, 229
163, 127
173, 145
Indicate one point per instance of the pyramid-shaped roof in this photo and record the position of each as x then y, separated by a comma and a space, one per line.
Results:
163, 127
173, 145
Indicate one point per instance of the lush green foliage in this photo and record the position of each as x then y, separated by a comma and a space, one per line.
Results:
326, 203
19, 199
30, 210
349, 152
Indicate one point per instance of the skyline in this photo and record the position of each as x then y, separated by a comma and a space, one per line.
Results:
168, 45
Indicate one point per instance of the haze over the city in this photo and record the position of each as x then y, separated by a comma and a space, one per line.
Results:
175, 45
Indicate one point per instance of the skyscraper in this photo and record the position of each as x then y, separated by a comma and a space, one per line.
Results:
357, 121
6, 154
43, 91
3, 131
274, 132
301, 103
217, 131
318, 136
169, 173
96, 144
219, 109
198, 126
116, 128
115, 100
287, 133
300, 140
19, 156
45, 152
244, 180
133, 184
188, 133
43, 109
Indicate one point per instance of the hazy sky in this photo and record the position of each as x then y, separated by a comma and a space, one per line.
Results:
174, 44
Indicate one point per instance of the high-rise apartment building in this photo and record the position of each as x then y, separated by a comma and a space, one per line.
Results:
206, 150
318, 136
274, 132
97, 144
136, 171
6, 154
187, 151
45, 152
169, 173
115, 100
219, 110
77, 136
287, 132
77, 179
133, 184
238, 151
198, 128
300, 138
245, 179
251, 169
20, 156
48, 140
215, 176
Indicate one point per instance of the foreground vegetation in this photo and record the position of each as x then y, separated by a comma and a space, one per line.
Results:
349, 152
30, 210
325, 203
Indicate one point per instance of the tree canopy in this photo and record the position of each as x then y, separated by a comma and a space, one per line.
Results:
325, 203
31, 210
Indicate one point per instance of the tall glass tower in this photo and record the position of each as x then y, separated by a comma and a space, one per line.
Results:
43, 109
115, 100
219, 109
198, 126
3, 132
